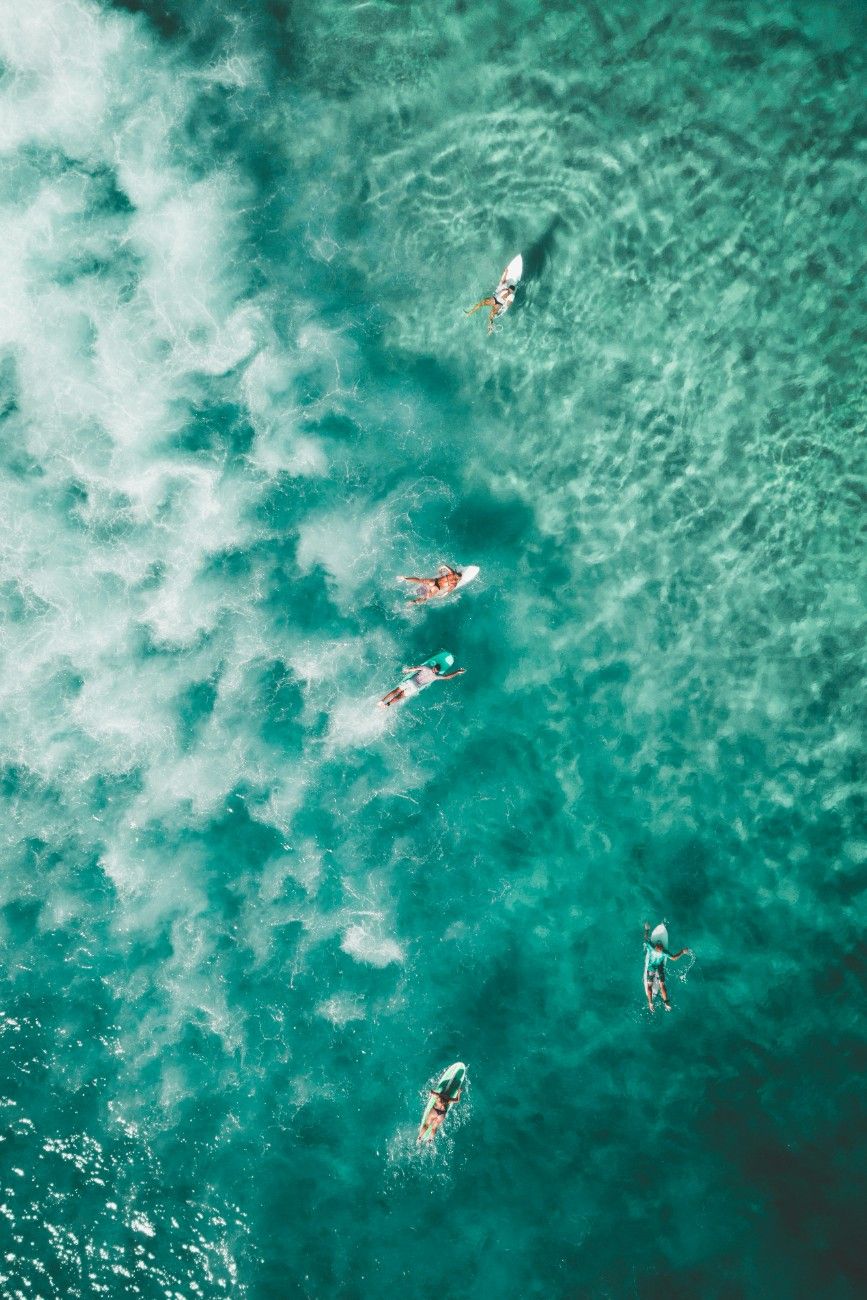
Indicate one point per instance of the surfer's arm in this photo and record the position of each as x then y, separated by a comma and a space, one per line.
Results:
674, 955
445, 677
410, 670
483, 302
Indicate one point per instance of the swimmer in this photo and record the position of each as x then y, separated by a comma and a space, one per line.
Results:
500, 301
655, 957
439, 1112
446, 580
421, 677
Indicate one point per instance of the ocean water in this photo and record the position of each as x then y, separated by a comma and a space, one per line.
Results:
246, 916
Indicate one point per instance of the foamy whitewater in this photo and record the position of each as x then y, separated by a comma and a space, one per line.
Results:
246, 916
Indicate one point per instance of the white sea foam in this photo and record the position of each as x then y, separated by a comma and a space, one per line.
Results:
127, 302
268, 386
355, 723
365, 943
350, 545
341, 1009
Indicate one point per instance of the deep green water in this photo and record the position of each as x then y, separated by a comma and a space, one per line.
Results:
246, 916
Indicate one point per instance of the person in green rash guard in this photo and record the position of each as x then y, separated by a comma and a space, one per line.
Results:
655, 957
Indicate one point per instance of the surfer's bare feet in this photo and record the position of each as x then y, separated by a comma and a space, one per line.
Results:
667, 1006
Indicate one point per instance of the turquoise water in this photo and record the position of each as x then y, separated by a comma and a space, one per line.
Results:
247, 916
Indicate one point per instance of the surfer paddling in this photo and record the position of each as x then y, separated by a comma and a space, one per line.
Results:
498, 302
655, 957
504, 294
442, 1101
422, 676
445, 1092
446, 580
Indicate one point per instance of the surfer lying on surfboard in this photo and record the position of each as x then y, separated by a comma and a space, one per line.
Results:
504, 294
655, 957
445, 1093
446, 580
435, 1117
422, 676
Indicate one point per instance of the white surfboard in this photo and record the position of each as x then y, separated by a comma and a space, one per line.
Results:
513, 271
504, 293
468, 573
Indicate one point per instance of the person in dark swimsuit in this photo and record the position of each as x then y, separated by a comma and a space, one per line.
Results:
441, 1106
446, 580
498, 302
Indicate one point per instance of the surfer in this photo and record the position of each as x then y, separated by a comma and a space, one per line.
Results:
655, 957
422, 676
440, 1109
446, 580
504, 294
500, 301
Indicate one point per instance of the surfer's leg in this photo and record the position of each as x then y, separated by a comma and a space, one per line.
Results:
495, 311
483, 302
428, 588
391, 698
664, 991
648, 988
